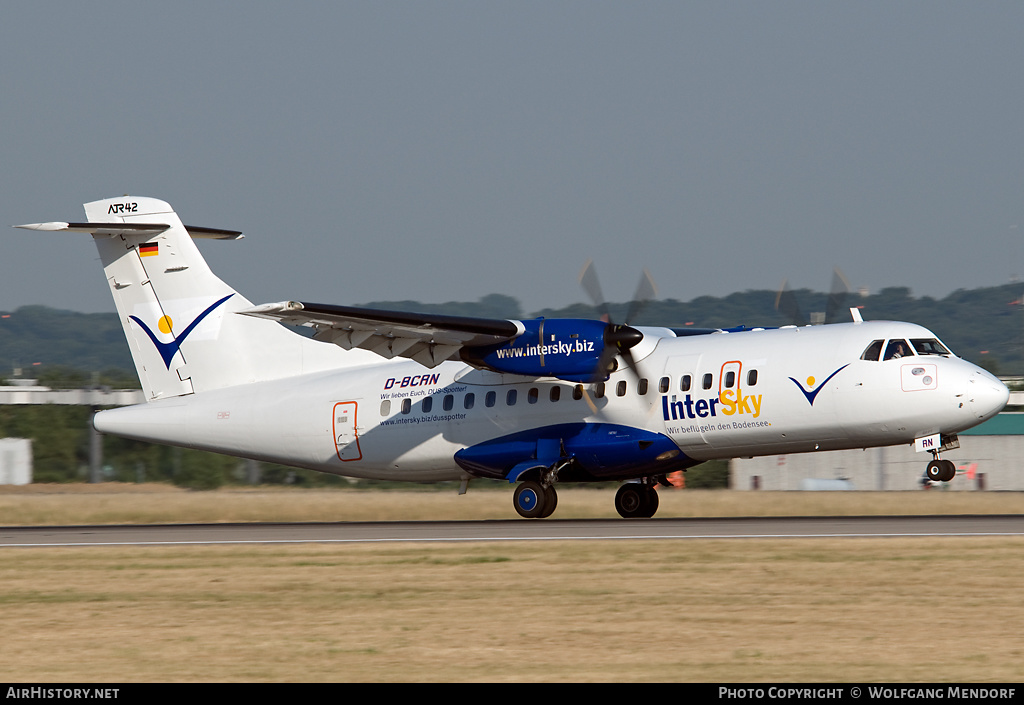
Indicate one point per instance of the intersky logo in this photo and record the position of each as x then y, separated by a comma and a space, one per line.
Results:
168, 350
812, 392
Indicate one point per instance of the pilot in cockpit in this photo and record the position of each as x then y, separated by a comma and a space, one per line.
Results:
896, 349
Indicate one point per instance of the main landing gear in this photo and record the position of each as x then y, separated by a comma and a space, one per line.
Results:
634, 500
534, 500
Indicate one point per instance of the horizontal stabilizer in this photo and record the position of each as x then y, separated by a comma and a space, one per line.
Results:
134, 228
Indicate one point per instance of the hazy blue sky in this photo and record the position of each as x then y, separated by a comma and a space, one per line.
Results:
446, 150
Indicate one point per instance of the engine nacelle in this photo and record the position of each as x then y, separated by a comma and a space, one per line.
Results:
566, 348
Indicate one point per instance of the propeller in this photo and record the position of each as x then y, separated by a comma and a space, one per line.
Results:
787, 305
837, 296
619, 339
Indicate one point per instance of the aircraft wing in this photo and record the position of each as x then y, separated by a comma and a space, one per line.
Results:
429, 339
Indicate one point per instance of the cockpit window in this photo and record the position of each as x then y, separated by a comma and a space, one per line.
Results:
873, 351
929, 346
897, 349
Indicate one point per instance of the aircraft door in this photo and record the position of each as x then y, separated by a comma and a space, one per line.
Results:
678, 389
729, 378
346, 433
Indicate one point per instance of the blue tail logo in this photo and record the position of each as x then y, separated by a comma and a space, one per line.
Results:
168, 350
812, 392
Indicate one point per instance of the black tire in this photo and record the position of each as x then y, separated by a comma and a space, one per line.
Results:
950, 470
550, 501
633, 501
530, 500
935, 471
652, 502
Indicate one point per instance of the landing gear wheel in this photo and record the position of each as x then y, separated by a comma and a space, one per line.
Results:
634, 501
652, 502
950, 470
531, 500
550, 501
941, 470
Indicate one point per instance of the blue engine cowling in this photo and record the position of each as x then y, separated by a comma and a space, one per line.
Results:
598, 451
566, 348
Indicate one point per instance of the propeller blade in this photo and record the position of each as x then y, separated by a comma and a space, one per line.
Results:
631, 365
606, 364
786, 304
837, 296
618, 339
590, 284
645, 291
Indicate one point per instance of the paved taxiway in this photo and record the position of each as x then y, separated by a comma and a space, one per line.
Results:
514, 530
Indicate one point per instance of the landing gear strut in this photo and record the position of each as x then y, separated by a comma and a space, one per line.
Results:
636, 500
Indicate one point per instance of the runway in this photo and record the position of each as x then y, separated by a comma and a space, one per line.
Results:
515, 530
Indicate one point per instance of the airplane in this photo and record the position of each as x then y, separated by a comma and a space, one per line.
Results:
425, 398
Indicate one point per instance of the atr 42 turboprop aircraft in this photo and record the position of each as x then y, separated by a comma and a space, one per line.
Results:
402, 396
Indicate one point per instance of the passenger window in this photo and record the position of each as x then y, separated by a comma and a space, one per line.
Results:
448, 402
897, 349
533, 395
490, 399
385, 407
577, 392
468, 402
751, 378
730, 379
555, 394
663, 385
599, 390
406, 405
707, 381
684, 383
620, 388
510, 398
428, 404
873, 351
641, 387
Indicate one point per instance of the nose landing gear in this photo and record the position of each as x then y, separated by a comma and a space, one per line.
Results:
940, 470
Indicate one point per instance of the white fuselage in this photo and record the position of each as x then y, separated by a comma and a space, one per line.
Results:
749, 393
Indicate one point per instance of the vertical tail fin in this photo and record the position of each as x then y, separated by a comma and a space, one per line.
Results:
176, 313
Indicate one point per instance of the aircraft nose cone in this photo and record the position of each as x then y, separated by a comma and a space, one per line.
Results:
988, 395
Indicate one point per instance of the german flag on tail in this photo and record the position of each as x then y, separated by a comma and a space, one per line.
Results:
149, 249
